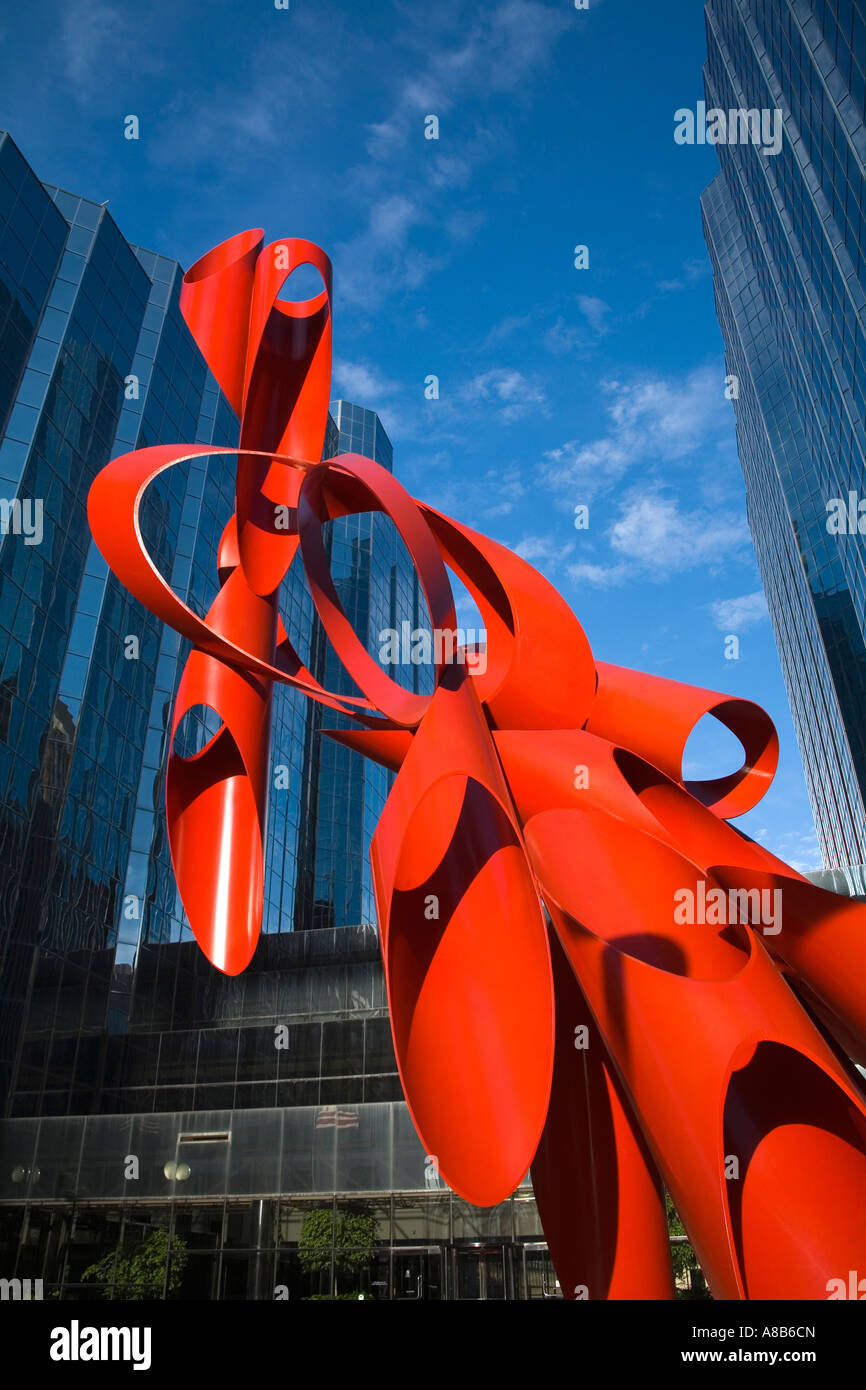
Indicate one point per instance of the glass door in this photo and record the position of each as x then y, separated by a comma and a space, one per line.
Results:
408, 1275
479, 1272
416, 1273
539, 1276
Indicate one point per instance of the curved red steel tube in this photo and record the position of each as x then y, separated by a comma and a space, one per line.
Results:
542, 870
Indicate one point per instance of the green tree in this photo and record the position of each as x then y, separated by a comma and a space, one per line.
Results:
353, 1244
141, 1275
683, 1257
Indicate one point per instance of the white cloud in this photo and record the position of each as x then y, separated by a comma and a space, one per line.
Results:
656, 538
91, 30
563, 338
738, 614
452, 170
512, 395
799, 848
506, 327
595, 311
691, 273
599, 576
228, 125
360, 383
462, 225
542, 549
651, 420
505, 44
391, 219
501, 48
507, 488
560, 337
380, 259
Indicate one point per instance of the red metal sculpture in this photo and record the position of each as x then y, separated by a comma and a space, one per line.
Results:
589, 970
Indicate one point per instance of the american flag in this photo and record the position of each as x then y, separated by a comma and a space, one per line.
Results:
336, 1117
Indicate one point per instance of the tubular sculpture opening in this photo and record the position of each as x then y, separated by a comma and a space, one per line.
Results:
616, 990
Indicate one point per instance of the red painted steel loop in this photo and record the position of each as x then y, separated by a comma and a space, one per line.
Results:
598, 1191
540, 673
279, 375
542, 777
654, 717
652, 985
472, 1018
272, 358
113, 513
336, 480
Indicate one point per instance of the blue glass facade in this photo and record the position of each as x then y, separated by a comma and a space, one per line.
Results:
787, 238
379, 588
276, 1093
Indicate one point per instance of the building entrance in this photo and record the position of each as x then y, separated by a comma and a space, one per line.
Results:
539, 1276
480, 1271
411, 1273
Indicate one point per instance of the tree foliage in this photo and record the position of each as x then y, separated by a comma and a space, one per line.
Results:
683, 1257
140, 1275
351, 1235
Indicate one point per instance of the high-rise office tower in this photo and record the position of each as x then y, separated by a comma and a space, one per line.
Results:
145, 1095
379, 588
785, 224
95, 359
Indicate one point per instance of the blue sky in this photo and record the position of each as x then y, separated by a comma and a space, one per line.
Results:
558, 387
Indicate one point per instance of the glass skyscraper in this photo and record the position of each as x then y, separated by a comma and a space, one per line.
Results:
786, 234
146, 1096
379, 588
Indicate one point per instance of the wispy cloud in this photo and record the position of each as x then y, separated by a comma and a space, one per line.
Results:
797, 848
458, 68
738, 614
507, 488
545, 553
510, 324
392, 219
652, 419
654, 538
598, 576
534, 548
562, 338
500, 395
356, 381
511, 394
658, 538
595, 311
478, 499
287, 84
97, 43
691, 273
552, 328
505, 44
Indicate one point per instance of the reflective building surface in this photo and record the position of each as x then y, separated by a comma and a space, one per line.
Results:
251, 1129
378, 588
787, 239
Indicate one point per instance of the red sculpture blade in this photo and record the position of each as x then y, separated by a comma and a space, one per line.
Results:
714, 1045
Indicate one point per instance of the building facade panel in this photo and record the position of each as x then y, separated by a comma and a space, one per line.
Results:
787, 241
